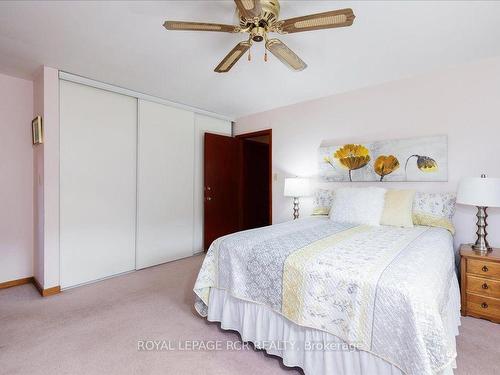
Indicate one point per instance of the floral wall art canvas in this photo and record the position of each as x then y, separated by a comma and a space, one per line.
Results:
413, 159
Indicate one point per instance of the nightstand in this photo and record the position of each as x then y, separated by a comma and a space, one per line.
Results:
480, 283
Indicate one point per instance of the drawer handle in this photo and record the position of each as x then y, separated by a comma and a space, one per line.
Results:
485, 269
484, 286
484, 305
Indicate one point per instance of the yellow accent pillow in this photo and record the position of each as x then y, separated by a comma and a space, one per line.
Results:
321, 211
398, 208
433, 221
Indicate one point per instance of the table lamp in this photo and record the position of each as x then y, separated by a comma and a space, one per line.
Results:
481, 192
296, 187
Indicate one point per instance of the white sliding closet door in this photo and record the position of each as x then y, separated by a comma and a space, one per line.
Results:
98, 143
203, 124
165, 184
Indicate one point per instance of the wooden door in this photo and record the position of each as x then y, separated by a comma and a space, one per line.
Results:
222, 177
203, 124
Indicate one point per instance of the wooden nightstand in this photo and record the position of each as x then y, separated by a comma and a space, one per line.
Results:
480, 283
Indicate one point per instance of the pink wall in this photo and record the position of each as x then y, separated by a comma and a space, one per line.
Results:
16, 187
462, 102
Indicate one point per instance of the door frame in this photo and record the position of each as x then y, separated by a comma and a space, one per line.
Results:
259, 133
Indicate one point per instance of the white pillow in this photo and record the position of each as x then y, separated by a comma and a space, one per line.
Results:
360, 206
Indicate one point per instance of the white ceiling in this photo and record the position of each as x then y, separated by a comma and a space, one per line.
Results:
124, 43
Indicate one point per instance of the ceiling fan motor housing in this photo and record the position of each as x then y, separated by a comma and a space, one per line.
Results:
268, 17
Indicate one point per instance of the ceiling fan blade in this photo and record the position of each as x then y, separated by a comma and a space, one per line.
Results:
285, 55
326, 20
249, 8
232, 57
199, 26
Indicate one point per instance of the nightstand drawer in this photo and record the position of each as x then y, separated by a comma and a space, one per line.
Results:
484, 306
483, 286
480, 283
483, 268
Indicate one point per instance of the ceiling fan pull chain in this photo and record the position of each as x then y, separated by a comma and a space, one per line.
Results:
265, 55
249, 56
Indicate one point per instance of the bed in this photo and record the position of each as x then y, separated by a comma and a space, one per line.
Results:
335, 298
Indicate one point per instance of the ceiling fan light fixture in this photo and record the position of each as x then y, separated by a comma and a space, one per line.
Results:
258, 18
258, 33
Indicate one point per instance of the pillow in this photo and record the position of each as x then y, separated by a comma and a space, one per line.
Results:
398, 208
322, 202
358, 205
434, 210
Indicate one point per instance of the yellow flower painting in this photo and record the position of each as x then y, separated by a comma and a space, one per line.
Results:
410, 159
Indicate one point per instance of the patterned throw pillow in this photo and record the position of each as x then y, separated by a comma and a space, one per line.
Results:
434, 210
322, 202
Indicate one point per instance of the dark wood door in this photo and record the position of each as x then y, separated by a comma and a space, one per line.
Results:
222, 186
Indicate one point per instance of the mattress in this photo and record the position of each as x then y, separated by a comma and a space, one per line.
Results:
384, 291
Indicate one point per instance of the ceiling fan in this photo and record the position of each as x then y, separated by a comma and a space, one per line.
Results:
260, 17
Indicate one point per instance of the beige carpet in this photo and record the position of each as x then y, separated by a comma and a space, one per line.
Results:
95, 330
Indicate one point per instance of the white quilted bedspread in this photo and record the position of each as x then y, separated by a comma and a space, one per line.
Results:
382, 289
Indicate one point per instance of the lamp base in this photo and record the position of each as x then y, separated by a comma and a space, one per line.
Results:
481, 250
295, 208
481, 246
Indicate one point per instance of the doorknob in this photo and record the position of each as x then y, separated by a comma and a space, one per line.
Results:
209, 198
208, 188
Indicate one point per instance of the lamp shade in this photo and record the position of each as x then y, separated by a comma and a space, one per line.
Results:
297, 187
479, 191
